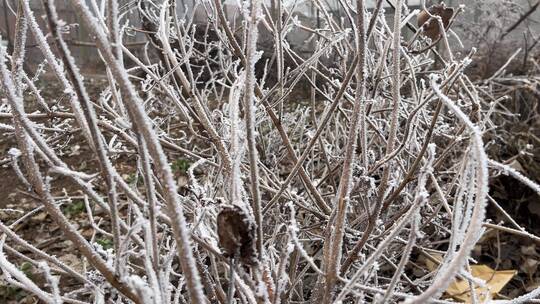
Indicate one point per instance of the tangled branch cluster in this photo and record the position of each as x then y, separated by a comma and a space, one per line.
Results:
277, 201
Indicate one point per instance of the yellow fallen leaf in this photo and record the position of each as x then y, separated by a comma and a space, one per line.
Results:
495, 281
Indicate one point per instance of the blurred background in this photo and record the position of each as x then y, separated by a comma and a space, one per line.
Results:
496, 28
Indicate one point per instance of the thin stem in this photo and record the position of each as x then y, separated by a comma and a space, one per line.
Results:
251, 50
336, 238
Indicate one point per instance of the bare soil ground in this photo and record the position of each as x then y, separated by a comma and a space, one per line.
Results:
496, 249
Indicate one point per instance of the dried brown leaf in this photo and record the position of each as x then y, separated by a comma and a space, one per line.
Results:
236, 230
431, 27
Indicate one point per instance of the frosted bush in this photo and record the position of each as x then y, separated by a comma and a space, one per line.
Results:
326, 196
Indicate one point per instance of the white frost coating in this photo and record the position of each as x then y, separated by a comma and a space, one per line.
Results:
293, 229
421, 197
11, 271
144, 124
237, 138
281, 137
197, 188
516, 174
477, 218
123, 123
14, 152
53, 63
409, 16
142, 288
261, 291
6, 127
68, 172
522, 299
53, 282
99, 297
290, 248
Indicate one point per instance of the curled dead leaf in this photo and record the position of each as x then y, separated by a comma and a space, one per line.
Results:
237, 233
430, 26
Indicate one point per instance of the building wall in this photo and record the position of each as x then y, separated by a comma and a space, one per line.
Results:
306, 12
